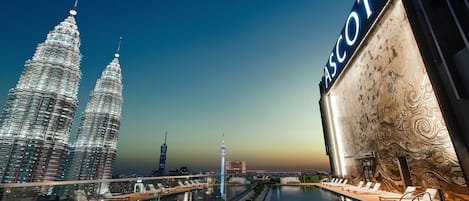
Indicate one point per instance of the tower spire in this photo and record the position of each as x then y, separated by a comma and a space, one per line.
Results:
73, 11
222, 172
75, 5
223, 138
116, 55
162, 164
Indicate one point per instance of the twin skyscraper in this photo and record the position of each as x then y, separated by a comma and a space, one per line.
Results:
36, 121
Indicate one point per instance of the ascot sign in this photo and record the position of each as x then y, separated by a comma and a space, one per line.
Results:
359, 21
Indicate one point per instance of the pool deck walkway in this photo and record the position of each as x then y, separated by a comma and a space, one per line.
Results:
357, 196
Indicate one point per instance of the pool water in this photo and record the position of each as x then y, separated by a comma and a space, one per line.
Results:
201, 194
304, 193
275, 193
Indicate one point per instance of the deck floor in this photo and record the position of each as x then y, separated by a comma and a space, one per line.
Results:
358, 196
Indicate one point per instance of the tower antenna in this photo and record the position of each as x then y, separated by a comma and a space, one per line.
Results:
165, 135
73, 12
116, 55
75, 5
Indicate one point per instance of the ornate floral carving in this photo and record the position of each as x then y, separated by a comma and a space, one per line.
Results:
387, 105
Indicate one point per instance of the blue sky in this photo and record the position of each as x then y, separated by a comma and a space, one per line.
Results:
248, 68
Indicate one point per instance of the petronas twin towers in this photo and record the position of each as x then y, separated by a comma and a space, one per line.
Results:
35, 123
94, 150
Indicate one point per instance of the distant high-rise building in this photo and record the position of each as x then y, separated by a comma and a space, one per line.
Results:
94, 151
222, 171
163, 151
235, 167
36, 120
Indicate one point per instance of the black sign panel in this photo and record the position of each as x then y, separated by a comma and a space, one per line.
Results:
359, 21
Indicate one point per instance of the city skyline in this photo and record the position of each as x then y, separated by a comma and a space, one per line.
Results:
248, 69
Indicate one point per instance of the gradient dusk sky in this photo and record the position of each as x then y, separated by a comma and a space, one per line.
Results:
197, 68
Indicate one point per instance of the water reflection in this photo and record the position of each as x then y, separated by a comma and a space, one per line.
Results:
291, 189
304, 193
202, 195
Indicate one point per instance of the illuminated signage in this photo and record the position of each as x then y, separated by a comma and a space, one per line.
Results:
359, 21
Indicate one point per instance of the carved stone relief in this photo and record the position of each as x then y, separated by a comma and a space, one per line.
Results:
384, 103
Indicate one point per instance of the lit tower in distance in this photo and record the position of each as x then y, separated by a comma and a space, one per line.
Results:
94, 151
163, 151
222, 172
36, 120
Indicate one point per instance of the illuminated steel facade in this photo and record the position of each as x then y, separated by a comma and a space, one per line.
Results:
94, 151
36, 119
394, 96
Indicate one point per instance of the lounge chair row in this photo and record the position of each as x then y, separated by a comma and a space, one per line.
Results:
410, 194
335, 182
366, 189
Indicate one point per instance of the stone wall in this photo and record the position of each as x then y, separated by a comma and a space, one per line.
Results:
384, 103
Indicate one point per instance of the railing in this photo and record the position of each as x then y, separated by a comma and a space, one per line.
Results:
115, 189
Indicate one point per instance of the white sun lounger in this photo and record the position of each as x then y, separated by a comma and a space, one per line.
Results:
428, 195
374, 190
340, 184
409, 191
350, 187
